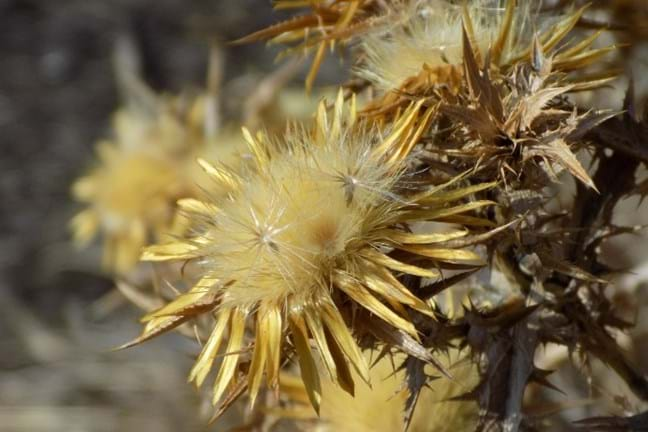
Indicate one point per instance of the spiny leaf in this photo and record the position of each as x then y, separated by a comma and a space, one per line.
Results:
558, 151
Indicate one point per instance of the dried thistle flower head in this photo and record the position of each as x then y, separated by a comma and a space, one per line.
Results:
381, 407
425, 39
519, 125
132, 190
304, 241
424, 48
149, 164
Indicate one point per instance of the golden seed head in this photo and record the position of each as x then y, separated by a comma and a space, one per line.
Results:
294, 220
308, 225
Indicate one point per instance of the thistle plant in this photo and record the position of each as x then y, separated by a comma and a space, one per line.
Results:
334, 264
309, 235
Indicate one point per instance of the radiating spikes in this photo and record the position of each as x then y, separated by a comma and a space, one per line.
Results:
321, 124
338, 114
200, 297
260, 156
259, 356
467, 220
437, 213
273, 323
192, 205
552, 36
539, 61
386, 284
387, 291
439, 196
316, 327
451, 255
505, 29
154, 328
469, 34
560, 30
396, 236
344, 376
438, 188
579, 61
307, 365
206, 358
340, 332
169, 251
386, 261
414, 136
228, 367
317, 62
287, 38
277, 29
579, 47
225, 177
363, 297
401, 126
586, 82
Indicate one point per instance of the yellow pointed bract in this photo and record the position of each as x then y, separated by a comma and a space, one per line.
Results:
305, 236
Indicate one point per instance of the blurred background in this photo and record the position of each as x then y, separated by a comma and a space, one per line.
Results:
59, 318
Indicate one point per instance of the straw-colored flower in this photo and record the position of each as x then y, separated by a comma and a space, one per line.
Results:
303, 242
131, 192
423, 48
149, 164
